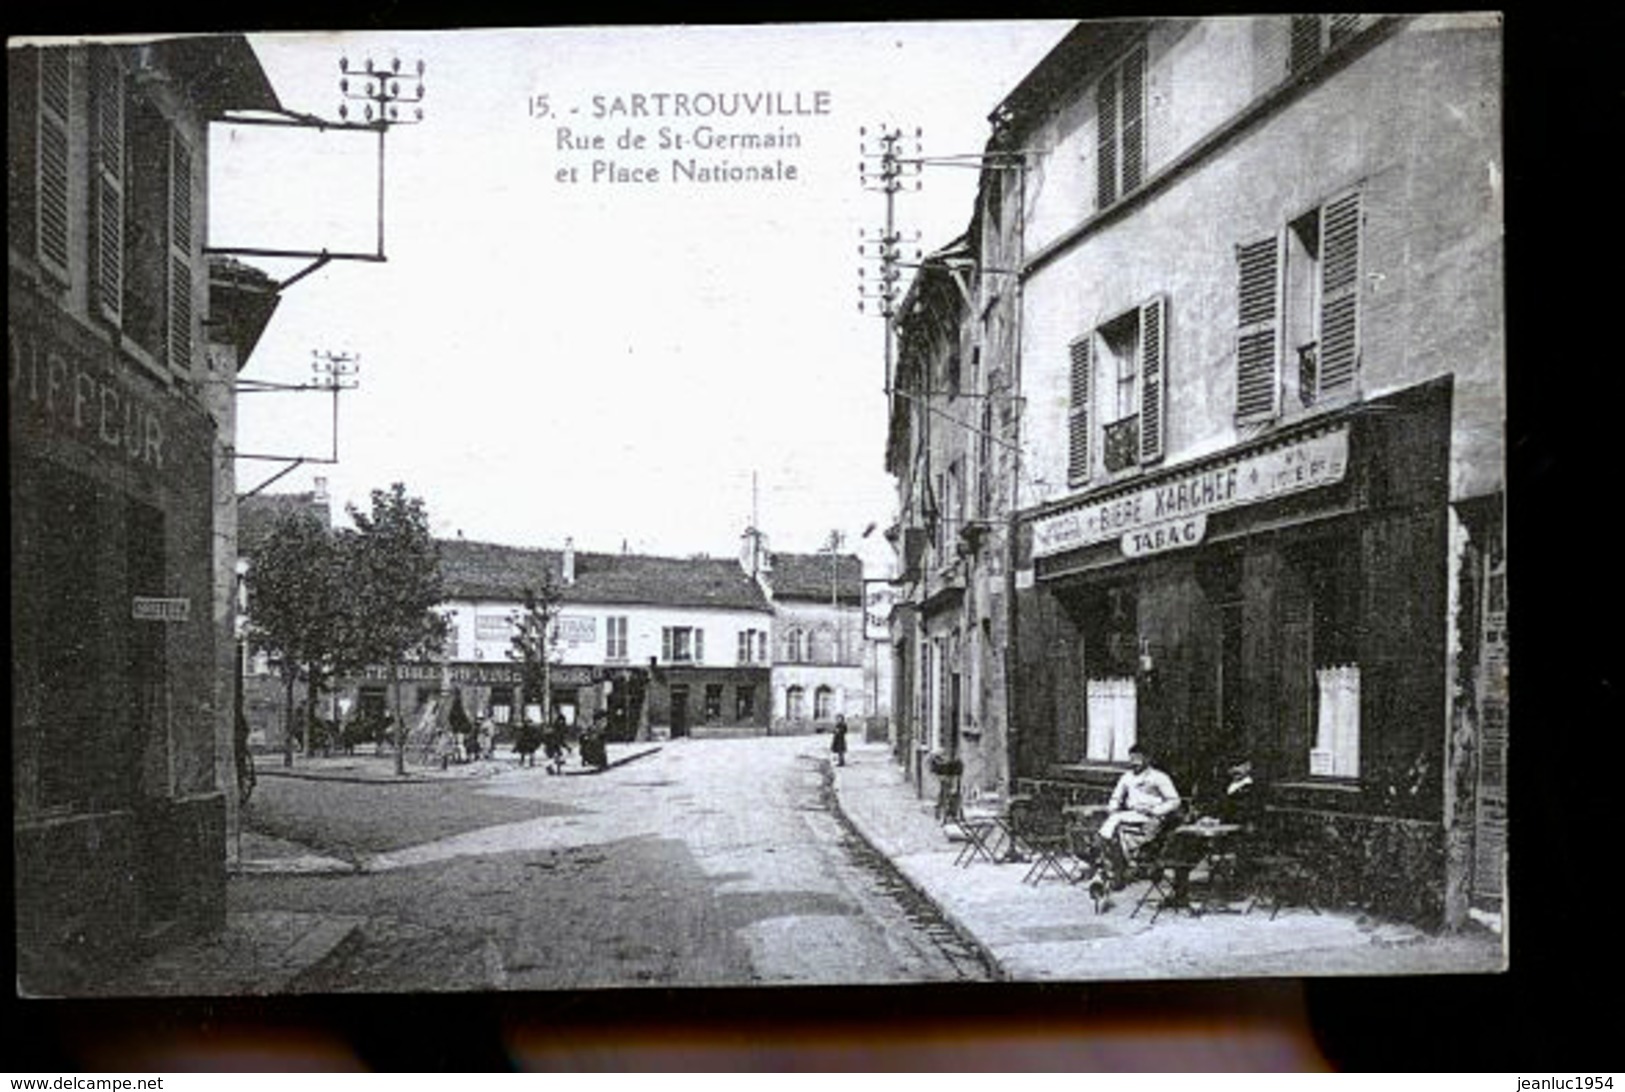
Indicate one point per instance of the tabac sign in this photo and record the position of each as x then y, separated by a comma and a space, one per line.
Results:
1173, 513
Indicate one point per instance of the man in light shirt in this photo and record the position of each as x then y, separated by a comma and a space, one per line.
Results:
1143, 799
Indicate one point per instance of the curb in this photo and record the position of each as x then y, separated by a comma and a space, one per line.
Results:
592, 771
1001, 973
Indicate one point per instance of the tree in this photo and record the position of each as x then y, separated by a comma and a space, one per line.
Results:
392, 566
292, 602
535, 642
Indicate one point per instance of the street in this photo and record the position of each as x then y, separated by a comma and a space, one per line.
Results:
714, 862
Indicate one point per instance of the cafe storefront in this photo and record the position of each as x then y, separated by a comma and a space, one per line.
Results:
1283, 600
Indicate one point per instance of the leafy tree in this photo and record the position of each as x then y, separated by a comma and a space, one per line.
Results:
535, 644
392, 566
293, 601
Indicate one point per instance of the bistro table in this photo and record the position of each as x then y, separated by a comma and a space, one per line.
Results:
1205, 841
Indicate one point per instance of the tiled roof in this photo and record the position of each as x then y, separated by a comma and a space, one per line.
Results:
809, 576
259, 514
484, 570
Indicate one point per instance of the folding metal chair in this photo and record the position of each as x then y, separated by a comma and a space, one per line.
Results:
1167, 863
980, 825
1041, 830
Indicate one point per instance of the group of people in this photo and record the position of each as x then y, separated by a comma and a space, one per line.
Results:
555, 743
1145, 800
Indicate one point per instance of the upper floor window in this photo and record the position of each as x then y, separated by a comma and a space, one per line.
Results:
792, 646
1313, 36
1298, 312
1118, 377
752, 646
615, 637
682, 644
40, 86
1120, 132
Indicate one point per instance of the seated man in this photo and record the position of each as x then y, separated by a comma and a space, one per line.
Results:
1141, 802
1240, 803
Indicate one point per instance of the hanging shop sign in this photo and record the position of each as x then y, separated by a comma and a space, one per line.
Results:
1310, 463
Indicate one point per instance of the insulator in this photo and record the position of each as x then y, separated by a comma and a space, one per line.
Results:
395, 64
344, 64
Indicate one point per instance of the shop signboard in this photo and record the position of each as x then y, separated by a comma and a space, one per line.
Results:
1306, 464
148, 608
1161, 537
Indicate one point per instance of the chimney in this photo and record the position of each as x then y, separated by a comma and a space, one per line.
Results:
321, 490
568, 563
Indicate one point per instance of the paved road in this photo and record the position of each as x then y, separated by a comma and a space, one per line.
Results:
719, 862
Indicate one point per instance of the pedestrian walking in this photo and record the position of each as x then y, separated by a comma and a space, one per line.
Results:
837, 744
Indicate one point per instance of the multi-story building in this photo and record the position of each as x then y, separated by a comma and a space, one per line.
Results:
818, 645
661, 646
121, 715
1259, 505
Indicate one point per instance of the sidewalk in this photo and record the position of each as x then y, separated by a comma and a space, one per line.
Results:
1051, 931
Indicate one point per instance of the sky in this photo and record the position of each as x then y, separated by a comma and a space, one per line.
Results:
608, 359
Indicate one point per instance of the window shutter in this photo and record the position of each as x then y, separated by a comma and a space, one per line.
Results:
1305, 48
1106, 142
108, 246
1339, 294
180, 255
1133, 73
55, 92
665, 643
699, 645
1343, 27
1077, 461
1258, 349
1153, 378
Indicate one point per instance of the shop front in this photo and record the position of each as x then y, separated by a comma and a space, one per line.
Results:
119, 826
1283, 600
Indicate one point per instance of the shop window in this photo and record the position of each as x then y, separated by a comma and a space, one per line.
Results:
1297, 340
1111, 653
823, 703
795, 700
744, 703
682, 644
713, 702
1120, 130
1329, 606
615, 637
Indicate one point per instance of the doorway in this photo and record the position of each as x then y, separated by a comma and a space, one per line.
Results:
679, 711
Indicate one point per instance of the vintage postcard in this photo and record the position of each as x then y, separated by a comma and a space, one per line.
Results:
776, 505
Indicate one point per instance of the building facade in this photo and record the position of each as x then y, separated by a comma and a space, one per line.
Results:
818, 647
653, 647
119, 718
1261, 357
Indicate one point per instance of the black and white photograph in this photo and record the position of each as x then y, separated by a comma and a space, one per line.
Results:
752, 506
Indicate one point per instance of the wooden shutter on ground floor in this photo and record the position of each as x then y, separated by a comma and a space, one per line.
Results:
1077, 462
1258, 335
1153, 378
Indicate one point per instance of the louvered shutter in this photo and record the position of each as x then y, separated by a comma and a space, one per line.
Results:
1106, 142
1339, 294
108, 244
1258, 336
1305, 39
180, 254
1077, 462
1153, 378
1133, 128
665, 644
699, 645
51, 184
1343, 27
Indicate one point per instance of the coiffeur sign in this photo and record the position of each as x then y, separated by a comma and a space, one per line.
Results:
1162, 516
